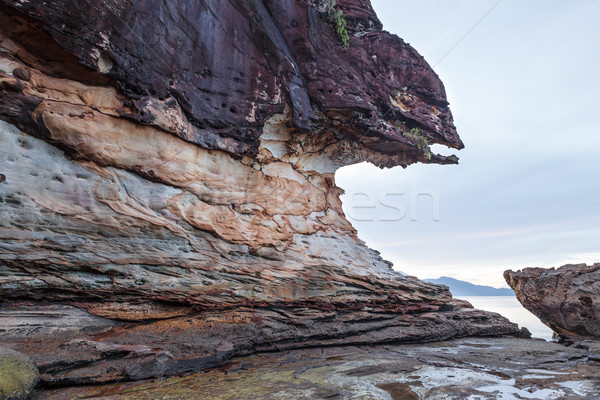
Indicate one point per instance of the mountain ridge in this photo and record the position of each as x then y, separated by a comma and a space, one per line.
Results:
464, 288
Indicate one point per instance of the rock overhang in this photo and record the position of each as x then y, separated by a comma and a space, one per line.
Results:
179, 174
373, 88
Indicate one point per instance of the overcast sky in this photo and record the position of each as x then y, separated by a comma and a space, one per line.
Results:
524, 88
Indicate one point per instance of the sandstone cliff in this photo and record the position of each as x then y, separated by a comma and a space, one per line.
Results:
566, 299
168, 196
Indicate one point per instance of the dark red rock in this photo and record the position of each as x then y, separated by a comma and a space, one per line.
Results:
567, 299
223, 61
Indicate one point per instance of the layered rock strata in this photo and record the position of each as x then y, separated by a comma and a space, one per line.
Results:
168, 197
567, 299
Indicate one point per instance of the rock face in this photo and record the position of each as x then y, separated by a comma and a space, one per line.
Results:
168, 199
566, 299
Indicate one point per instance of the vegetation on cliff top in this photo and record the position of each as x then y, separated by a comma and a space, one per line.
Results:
338, 19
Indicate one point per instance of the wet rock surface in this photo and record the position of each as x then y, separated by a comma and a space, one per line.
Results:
18, 375
567, 299
473, 368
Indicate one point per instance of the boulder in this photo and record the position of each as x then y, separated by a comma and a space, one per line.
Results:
18, 375
567, 299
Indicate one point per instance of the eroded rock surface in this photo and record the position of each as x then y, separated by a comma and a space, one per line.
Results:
167, 191
567, 299
460, 369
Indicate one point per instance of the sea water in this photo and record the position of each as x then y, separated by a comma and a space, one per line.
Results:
510, 307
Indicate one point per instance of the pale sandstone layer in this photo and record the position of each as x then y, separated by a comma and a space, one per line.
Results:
145, 234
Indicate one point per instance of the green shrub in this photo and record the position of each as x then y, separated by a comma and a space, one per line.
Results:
421, 141
338, 19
